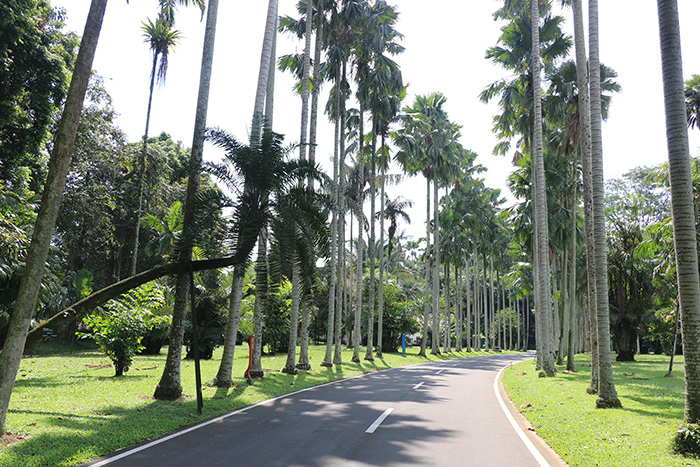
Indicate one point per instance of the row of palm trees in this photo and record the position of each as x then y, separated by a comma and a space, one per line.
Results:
280, 207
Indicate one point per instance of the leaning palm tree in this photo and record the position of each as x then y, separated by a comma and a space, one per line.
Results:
169, 386
162, 39
684, 232
30, 285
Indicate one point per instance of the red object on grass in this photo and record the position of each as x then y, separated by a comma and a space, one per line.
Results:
251, 343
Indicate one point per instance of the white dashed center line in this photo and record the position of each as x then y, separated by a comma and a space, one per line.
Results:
419, 385
378, 421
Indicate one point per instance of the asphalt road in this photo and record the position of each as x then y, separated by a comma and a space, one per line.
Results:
438, 414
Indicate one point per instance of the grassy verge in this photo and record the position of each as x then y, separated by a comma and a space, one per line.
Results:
69, 408
639, 434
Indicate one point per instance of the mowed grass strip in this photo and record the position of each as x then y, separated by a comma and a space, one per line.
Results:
639, 434
69, 408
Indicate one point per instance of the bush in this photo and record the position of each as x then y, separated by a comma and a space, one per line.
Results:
687, 440
121, 324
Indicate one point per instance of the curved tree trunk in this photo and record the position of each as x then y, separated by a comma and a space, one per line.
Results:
684, 232
607, 394
48, 210
169, 387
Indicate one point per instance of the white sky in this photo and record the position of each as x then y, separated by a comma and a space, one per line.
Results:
445, 44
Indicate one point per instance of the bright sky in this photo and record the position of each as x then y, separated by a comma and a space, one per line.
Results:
445, 47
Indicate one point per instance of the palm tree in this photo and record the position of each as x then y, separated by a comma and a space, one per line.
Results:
48, 211
395, 209
544, 298
607, 394
428, 142
692, 101
684, 232
169, 387
161, 38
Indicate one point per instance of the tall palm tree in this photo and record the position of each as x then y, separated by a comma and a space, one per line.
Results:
544, 305
169, 386
162, 38
684, 232
607, 394
48, 211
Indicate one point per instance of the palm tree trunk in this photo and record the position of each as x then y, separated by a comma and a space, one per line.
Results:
328, 359
306, 307
458, 309
340, 277
169, 387
266, 61
571, 339
380, 314
426, 302
372, 238
447, 344
585, 142
360, 278
684, 232
468, 303
224, 376
48, 211
289, 366
142, 170
544, 306
261, 290
303, 363
436, 270
607, 394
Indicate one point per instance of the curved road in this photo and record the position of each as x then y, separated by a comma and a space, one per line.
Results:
441, 413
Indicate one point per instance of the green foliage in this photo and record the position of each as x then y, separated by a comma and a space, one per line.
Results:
120, 326
276, 328
36, 58
400, 317
687, 440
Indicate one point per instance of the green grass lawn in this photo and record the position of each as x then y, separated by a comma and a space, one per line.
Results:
639, 434
69, 408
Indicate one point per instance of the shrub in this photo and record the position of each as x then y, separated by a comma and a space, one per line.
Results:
121, 324
687, 440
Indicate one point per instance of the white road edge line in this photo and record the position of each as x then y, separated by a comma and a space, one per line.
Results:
215, 420
378, 421
528, 444
419, 385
